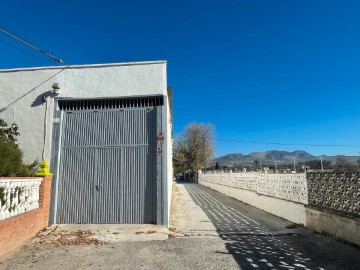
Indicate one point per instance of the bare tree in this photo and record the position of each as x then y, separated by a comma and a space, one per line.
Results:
193, 147
342, 164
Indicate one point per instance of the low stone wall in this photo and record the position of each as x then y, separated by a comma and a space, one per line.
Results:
18, 228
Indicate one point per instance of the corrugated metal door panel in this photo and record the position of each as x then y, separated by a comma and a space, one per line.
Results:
99, 128
138, 196
115, 151
76, 186
121, 197
151, 177
108, 181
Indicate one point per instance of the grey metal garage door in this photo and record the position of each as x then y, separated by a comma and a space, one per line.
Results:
107, 170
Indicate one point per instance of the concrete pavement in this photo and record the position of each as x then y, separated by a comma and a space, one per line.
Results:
209, 231
258, 240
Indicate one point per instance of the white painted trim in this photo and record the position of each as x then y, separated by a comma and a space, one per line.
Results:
86, 66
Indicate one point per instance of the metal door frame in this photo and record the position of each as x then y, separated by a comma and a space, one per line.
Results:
162, 183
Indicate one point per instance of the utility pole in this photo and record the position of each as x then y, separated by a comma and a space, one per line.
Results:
322, 166
275, 166
294, 164
203, 152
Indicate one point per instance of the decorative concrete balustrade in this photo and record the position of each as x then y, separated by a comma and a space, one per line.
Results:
18, 195
336, 191
290, 187
322, 201
238, 180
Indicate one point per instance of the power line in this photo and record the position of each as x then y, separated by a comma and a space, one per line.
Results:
19, 49
32, 46
37, 49
290, 144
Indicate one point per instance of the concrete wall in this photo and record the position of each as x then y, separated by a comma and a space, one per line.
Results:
292, 211
338, 226
87, 81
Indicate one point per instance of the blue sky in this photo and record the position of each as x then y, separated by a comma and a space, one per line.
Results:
267, 71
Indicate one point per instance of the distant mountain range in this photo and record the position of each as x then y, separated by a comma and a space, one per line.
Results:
268, 157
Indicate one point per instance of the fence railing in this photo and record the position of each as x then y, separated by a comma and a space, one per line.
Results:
335, 191
18, 195
291, 187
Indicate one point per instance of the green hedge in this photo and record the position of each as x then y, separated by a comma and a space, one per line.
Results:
11, 161
11, 156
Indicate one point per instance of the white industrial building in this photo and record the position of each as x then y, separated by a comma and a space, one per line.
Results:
106, 131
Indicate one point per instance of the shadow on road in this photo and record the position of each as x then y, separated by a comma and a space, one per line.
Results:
250, 243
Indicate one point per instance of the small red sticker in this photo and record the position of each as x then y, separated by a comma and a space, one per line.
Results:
160, 137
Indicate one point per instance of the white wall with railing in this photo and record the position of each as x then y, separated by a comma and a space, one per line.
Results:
18, 195
290, 187
322, 201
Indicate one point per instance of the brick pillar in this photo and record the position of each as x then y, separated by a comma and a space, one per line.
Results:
45, 190
44, 198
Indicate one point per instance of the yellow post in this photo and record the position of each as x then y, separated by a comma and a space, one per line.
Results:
44, 169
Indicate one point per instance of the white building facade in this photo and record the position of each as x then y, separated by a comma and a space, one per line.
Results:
106, 131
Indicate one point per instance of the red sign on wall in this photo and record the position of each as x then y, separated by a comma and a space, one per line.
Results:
160, 137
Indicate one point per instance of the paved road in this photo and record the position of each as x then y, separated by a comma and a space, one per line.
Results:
212, 232
258, 240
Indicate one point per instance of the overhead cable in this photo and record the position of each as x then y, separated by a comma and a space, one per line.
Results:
37, 86
290, 144
32, 46
19, 49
